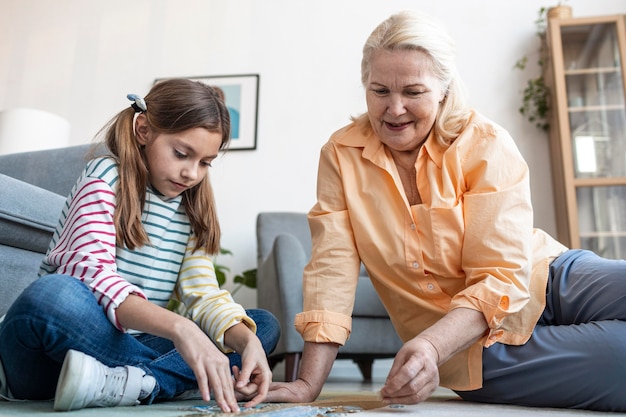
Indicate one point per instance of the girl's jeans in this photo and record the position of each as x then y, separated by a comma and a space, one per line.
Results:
57, 313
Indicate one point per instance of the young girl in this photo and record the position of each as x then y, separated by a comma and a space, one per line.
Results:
136, 232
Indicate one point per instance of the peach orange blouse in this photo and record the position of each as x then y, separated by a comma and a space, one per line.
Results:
471, 243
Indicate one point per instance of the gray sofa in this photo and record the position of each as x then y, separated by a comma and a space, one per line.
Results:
34, 186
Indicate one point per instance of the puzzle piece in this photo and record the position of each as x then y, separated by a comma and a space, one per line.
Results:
275, 410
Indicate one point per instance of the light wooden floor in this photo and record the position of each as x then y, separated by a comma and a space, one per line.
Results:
344, 380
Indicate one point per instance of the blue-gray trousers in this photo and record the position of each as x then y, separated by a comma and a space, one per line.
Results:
576, 357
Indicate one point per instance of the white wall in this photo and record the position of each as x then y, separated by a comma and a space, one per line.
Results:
79, 58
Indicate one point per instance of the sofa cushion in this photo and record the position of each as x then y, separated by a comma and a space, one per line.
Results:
28, 215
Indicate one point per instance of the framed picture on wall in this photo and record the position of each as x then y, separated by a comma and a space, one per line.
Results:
241, 94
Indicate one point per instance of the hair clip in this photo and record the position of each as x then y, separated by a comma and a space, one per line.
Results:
139, 103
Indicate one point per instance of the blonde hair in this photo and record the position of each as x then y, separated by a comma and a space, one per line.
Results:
173, 106
412, 31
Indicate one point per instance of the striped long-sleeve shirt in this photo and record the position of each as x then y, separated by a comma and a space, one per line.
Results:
83, 246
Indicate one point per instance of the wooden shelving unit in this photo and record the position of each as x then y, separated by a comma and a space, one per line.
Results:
588, 131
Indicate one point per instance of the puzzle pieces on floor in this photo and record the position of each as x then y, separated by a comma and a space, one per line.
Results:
276, 410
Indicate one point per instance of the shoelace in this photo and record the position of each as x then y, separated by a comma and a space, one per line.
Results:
113, 389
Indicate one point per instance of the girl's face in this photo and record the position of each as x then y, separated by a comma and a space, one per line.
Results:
403, 98
178, 161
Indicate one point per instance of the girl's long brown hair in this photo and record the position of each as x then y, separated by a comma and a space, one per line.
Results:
173, 106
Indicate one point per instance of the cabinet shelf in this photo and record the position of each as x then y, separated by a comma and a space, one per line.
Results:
602, 234
588, 131
592, 71
608, 107
599, 181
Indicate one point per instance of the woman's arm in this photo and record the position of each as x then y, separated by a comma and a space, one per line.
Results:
317, 361
414, 374
329, 285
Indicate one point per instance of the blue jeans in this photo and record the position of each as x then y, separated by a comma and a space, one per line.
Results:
576, 356
57, 313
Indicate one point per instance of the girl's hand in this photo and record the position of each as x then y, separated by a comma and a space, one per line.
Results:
414, 375
252, 381
209, 364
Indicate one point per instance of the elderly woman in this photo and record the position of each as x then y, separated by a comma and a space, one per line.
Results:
433, 198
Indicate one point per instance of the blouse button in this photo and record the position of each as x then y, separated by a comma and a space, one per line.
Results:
416, 265
413, 227
431, 287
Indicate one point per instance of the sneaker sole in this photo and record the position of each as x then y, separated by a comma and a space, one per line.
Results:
69, 384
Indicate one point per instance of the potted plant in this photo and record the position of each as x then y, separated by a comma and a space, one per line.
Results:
245, 279
536, 95
560, 11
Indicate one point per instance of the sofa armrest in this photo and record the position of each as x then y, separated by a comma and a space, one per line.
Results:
28, 215
54, 170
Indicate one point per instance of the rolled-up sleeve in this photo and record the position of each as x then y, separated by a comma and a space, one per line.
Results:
331, 276
497, 247
210, 307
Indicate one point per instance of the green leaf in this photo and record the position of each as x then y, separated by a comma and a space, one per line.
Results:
173, 305
247, 278
535, 96
521, 63
220, 273
225, 252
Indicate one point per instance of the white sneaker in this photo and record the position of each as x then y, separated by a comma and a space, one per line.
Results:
86, 382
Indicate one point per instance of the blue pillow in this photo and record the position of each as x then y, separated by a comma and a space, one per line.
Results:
28, 214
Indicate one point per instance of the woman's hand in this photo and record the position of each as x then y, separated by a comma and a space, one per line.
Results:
298, 391
414, 375
317, 361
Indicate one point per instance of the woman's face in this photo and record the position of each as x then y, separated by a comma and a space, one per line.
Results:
403, 97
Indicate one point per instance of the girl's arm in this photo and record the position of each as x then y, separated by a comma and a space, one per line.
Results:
210, 366
84, 247
209, 306
224, 321
253, 380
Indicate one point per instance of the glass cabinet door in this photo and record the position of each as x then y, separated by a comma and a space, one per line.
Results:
594, 88
602, 220
595, 99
